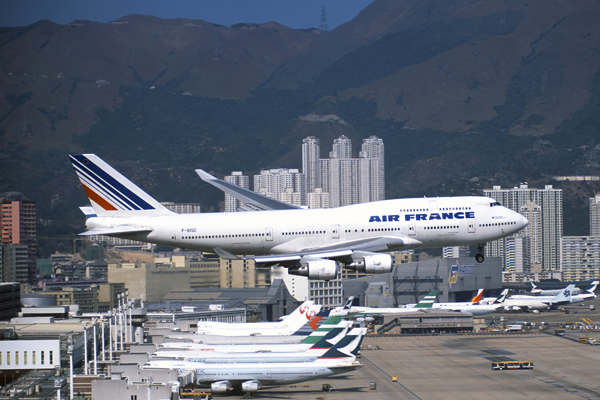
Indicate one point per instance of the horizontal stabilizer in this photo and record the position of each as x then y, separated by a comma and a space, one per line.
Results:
256, 201
118, 230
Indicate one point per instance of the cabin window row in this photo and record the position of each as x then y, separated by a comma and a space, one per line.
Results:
224, 236
497, 224
442, 227
303, 233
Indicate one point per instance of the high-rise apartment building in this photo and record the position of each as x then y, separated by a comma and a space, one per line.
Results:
283, 184
311, 153
595, 215
372, 170
580, 258
237, 178
347, 180
546, 225
456, 251
17, 223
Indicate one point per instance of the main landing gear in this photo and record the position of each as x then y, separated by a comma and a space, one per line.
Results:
479, 256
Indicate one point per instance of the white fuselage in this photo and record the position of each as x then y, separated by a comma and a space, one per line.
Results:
416, 223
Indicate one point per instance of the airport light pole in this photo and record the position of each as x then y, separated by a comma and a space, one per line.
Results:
95, 348
85, 356
110, 333
70, 353
103, 340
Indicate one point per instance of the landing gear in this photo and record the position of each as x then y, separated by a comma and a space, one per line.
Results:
479, 256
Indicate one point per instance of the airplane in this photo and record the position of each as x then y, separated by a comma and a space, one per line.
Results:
289, 326
332, 331
422, 305
587, 294
250, 377
475, 300
549, 292
539, 302
473, 308
311, 354
309, 242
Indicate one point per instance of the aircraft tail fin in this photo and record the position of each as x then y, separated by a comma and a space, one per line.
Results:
477, 298
348, 303
332, 337
110, 192
348, 347
428, 300
534, 288
564, 296
592, 287
502, 297
323, 329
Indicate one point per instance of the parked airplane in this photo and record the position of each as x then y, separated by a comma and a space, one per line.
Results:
474, 308
309, 242
422, 305
476, 299
306, 313
311, 354
539, 302
549, 292
250, 377
587, 294
332, 330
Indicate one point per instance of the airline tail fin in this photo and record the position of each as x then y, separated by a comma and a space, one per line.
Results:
592, 287
348, 347
332, 337
428, 300
564, 296
323, 329
313, 320
477, 298
110, 192
501, 298
348, 303
534, 288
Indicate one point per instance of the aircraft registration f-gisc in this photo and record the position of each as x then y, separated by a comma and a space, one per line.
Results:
309, 242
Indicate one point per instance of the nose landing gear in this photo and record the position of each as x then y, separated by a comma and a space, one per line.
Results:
479, 256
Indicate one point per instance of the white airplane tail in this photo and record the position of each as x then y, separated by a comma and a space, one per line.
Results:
110, 192
564, 296
502, 297
592, 287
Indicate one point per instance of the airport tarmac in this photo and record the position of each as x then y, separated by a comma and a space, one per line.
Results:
458, 366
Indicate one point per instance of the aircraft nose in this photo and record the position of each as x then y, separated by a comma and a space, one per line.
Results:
525, 222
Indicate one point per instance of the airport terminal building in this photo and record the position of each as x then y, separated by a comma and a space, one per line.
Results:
455, 279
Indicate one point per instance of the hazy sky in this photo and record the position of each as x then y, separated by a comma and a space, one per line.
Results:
292, 13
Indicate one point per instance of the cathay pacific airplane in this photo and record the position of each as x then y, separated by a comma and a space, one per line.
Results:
249, 377
309, 242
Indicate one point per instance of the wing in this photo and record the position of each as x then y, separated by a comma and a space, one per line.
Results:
117, 230
252, 200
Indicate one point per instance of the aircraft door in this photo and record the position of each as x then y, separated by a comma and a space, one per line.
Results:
269, 234
411, 229
335, 231
471, 226
433, 206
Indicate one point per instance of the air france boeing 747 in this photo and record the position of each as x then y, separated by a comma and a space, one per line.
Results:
309, 242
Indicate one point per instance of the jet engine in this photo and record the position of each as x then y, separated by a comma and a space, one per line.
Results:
373, 264
220, 387
318, 269
250, 386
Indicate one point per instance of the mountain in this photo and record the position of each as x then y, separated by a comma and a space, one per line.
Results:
465, 93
